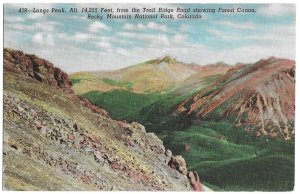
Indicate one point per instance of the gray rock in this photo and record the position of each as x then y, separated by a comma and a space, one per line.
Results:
168, 153
43, 130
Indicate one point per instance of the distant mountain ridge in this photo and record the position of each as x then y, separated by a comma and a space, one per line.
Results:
261, 96
157, 75
167, 59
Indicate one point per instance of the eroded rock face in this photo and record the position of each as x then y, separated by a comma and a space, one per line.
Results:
271, 107
261, 97
36, 68
32, 67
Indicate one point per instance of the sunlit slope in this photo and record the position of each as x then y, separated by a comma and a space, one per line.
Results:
159, 75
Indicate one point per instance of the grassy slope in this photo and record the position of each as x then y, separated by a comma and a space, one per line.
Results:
239, 162
263, 164
113, 101
147, 77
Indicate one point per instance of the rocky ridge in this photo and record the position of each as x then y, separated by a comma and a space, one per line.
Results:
35, 68
260, 96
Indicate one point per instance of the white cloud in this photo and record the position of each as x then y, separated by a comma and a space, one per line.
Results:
122, 41
127, 34
89, 39
149, 40
238, 25
49, 40
96, 26
128, 26
141, 26
225, 35
43, 39
148, 26
38, 38
80, 37
179, 38
276, 34
16, 27
35, 16
12, 19
123, 52
62, 35
160, 41
156, 26
48, 26
103, 45
277, 9
215, 32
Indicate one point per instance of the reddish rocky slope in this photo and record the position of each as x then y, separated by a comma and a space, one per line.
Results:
260, 96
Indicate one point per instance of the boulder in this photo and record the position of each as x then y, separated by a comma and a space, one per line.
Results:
76, 127
178, 163
186, 147
138, 126
38, 125
195, 181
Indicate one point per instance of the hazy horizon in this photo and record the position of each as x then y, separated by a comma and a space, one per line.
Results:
75, 43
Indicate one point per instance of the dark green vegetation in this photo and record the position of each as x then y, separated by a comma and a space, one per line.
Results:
251, 164
75, 81
113, 101
226, 157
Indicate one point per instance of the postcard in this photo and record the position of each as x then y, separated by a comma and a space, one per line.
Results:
149, 97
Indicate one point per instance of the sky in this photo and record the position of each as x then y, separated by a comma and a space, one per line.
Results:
74, 43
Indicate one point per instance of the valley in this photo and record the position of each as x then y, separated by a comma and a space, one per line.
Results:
211, 115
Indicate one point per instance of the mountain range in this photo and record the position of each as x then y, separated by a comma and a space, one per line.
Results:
227, 121
230, 126
158, 75
260, 96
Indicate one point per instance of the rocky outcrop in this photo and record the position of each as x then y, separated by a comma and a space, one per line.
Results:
35, 68
178, 163
85, 102
195, 181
